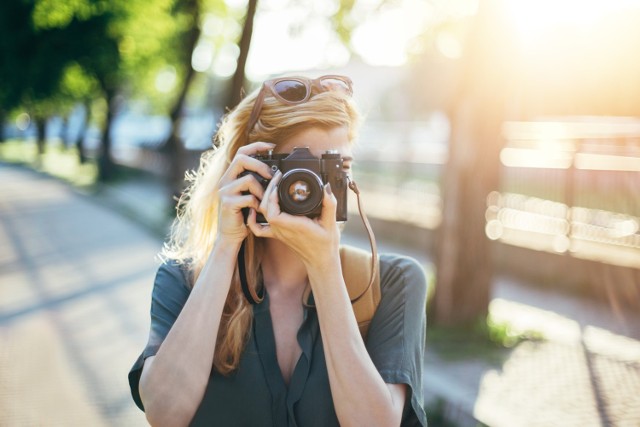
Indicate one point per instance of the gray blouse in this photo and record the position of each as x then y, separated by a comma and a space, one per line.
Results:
256, 395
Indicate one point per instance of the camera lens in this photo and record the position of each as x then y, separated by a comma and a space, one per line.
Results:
300, 192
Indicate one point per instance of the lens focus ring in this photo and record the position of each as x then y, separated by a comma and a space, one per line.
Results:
300, 192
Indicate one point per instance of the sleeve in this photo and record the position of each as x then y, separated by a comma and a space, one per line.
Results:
397, 334
170, 293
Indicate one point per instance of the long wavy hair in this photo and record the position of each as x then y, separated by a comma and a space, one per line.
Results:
193, 231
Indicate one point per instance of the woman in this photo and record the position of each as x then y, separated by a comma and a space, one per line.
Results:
215, 359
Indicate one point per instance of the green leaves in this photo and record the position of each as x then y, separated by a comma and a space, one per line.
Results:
49, 14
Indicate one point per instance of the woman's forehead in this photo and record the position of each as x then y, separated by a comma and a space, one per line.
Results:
319, 140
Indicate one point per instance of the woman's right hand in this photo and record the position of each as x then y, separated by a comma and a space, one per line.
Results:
231, 226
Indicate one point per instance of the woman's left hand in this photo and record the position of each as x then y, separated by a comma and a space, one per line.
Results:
315, 240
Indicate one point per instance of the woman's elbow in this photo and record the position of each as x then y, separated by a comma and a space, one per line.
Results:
160, 414
163, 407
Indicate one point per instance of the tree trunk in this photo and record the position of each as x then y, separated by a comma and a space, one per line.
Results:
79, 143
106, 166
464, 263
3, 117
237, 83
174, 148
64, 132
41, 134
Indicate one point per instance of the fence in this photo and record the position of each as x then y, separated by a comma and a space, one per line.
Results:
570, 187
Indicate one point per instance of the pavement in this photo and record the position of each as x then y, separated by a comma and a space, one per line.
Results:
76, 272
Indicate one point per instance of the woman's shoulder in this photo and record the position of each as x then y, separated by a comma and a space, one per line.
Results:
401, 271
173, 273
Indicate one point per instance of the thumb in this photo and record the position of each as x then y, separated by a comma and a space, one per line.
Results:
329, 205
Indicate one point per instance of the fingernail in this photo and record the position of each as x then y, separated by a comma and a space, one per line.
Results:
327, 187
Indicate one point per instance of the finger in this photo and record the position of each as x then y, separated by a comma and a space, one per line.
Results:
246, 183
243, 162
258, 230
329, 206
255, 147
236, 203
270, 197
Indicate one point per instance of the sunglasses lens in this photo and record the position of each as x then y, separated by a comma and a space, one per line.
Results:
330, 83
291, 90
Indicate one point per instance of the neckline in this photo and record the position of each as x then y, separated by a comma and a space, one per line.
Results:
265, 343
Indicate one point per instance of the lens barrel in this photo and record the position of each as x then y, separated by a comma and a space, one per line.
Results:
300, 192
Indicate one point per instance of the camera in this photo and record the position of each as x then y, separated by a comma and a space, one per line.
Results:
301, 188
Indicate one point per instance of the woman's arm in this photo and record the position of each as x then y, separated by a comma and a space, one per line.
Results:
360, 396
173, 381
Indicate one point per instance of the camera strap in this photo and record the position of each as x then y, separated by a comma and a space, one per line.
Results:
249, 292
355, 266
372, 241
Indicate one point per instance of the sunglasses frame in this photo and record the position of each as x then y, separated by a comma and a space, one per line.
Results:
309, 85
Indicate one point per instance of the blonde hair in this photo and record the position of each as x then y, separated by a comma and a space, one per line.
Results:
194, 229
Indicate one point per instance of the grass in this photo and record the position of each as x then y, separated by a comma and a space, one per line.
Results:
62, 162
57, 160
437, 414
486, 339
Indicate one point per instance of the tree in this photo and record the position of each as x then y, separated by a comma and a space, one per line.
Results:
140, 38
186, 41
464, 264
24, 50
14, 35
113, 43
102, 63
39, 41
79, 87
238, 80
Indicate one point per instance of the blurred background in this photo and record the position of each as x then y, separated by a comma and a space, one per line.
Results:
501, 148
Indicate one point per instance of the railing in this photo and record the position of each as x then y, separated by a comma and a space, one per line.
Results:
567, 187
570, 187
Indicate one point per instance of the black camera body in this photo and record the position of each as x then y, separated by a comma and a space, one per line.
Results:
301, 188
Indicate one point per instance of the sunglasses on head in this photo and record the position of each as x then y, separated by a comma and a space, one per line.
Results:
296, 90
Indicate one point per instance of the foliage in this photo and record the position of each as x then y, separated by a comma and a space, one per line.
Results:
109, 42
486, 338
58, 161
77, 84
503, 334
42, 42
437, 414
343, 21
148, 46
24, 70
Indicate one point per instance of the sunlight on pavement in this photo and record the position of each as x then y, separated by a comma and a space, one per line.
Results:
49, 387
584, 376
75, 282
522, 318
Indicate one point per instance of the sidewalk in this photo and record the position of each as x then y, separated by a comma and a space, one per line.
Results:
75, 281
